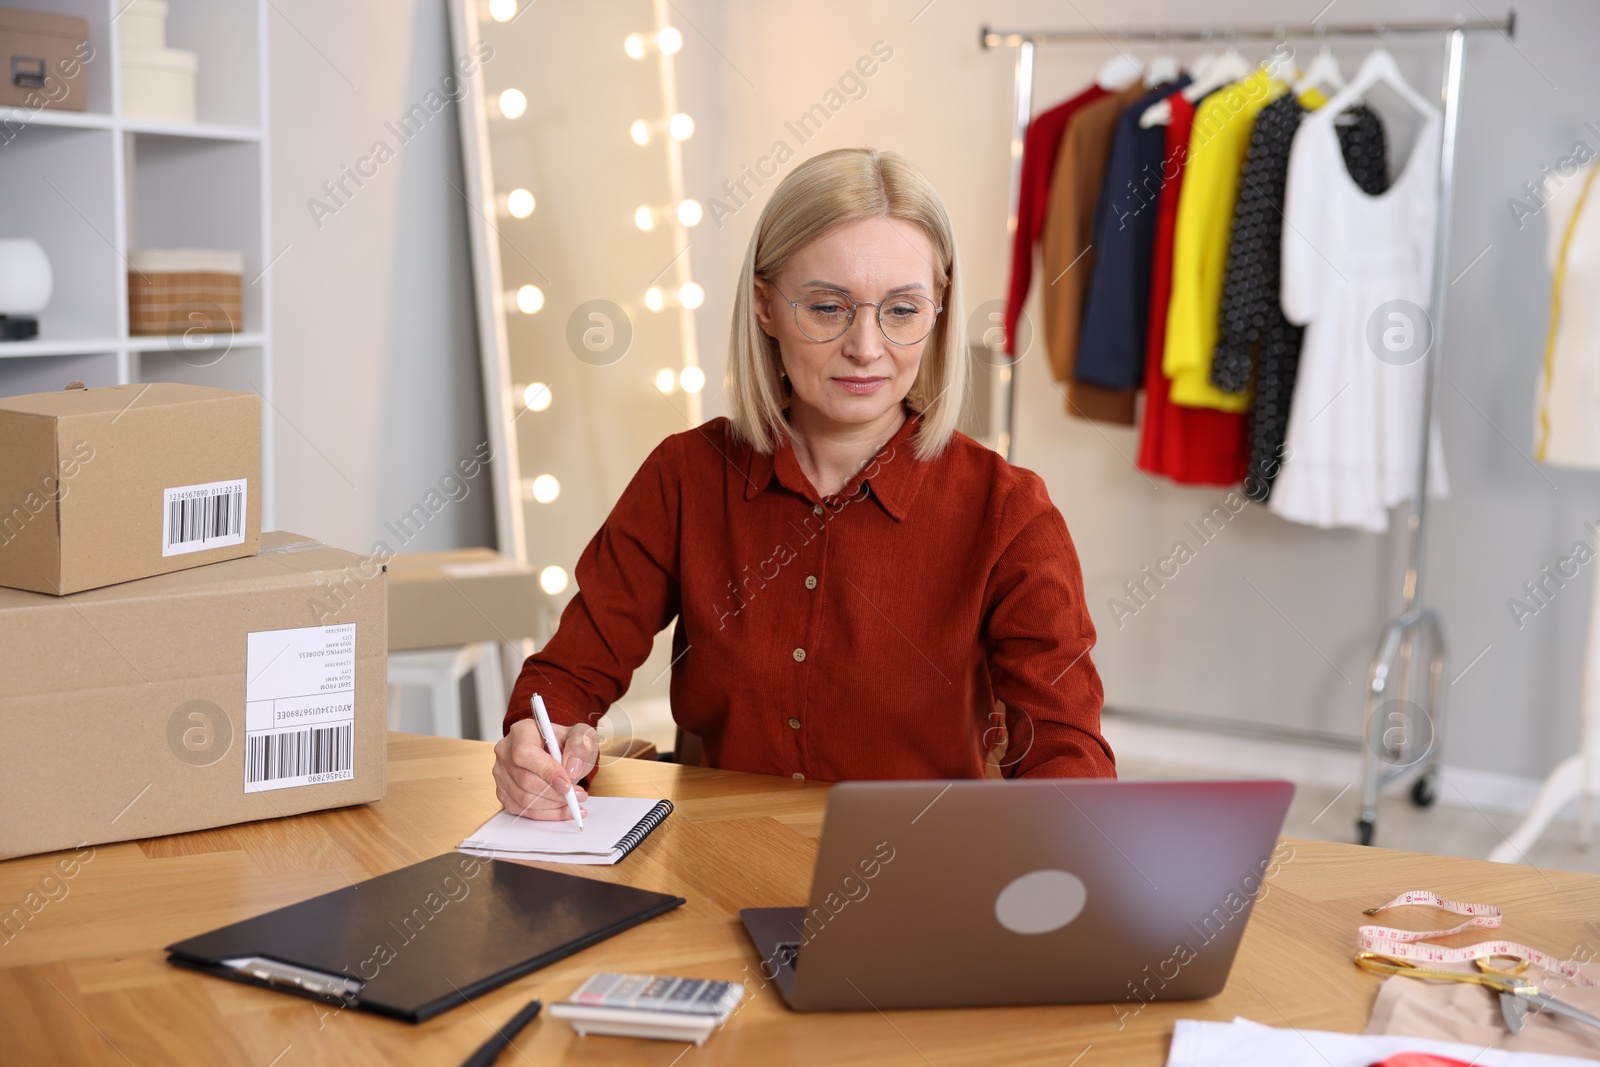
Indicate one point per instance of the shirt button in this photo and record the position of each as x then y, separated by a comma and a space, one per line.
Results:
797, 774
816, 509
794, 724
811, 581
799, 655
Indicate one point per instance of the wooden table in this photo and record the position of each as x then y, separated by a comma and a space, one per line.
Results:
85, 980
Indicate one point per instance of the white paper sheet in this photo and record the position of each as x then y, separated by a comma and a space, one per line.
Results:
1243, 1043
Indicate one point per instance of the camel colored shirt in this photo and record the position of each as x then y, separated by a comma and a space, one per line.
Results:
1068, 250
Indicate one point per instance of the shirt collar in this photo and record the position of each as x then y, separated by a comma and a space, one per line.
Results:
892, 476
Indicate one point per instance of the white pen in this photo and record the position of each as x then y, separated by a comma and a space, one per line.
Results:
549, 735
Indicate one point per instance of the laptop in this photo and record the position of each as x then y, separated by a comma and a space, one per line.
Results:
1051, 891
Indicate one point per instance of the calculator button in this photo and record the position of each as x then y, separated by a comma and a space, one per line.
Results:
686, 991
714, 991
657, 988
595, 989
627, 990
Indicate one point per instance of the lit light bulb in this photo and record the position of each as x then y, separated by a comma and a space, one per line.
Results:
513, 103
654, 299
639, 131
690, 212
669, 40
665, 380
530, 298
519, 203
633, 44
690, 295
553, 580
644, 218
680, 126
536, 397
544, 488
693, 379
502, 10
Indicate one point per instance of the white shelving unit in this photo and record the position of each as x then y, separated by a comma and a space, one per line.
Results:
90, 186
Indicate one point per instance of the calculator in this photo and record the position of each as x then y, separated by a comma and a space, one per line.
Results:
645, 1005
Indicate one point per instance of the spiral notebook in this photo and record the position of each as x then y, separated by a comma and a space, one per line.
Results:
613, 827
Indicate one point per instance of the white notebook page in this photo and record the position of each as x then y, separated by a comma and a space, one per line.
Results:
609, 820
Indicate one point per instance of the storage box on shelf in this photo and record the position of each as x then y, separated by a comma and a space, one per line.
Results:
142, 26
158, 85
43, 55
184, 291
157, 82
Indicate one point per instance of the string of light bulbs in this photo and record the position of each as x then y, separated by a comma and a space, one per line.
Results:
675, 216
519, 203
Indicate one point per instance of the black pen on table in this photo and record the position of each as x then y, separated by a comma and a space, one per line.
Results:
490, 1050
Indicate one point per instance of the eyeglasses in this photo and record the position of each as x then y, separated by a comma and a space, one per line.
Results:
825, 315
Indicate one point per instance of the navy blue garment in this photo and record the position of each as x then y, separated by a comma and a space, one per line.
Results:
1116, 315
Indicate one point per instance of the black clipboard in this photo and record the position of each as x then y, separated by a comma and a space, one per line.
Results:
420, 940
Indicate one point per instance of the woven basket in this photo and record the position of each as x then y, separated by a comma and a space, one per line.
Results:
176, 291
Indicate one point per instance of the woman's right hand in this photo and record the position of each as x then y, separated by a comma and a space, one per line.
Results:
529, 783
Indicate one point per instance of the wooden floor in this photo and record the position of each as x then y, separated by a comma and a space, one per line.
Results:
85, 982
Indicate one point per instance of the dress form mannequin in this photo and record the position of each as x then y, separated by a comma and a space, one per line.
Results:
1567, 433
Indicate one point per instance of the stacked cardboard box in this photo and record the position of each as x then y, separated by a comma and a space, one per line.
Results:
167, 667
462, 595
107, 485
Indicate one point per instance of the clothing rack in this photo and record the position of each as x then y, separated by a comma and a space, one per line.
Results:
1397, 646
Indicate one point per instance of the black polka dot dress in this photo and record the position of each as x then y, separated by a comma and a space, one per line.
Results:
1253, 336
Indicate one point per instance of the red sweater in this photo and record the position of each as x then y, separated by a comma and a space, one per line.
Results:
863, 635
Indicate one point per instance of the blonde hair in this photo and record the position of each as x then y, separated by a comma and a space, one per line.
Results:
828, 190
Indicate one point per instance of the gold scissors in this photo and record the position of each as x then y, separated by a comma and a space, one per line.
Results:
1517, 994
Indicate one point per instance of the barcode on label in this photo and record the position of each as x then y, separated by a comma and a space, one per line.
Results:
298, 753
206, 518
197, 517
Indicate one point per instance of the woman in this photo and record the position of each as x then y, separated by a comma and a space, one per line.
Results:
856, 584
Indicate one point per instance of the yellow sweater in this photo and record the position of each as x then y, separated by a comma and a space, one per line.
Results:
1217, 149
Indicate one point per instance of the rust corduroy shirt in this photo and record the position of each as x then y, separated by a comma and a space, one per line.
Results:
865, 635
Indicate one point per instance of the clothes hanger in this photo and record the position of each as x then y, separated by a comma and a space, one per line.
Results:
1278, 66
1380, 68
1202, 62
1163, 68
1119, 72
1323, 73
1228, 67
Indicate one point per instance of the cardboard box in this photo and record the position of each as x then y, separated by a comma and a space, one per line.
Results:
442, 599
121, 482
242, 690
42, 59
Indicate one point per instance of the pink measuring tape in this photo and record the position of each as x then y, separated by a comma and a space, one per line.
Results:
1414, 945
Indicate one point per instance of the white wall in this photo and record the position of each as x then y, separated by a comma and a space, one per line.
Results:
376, 379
